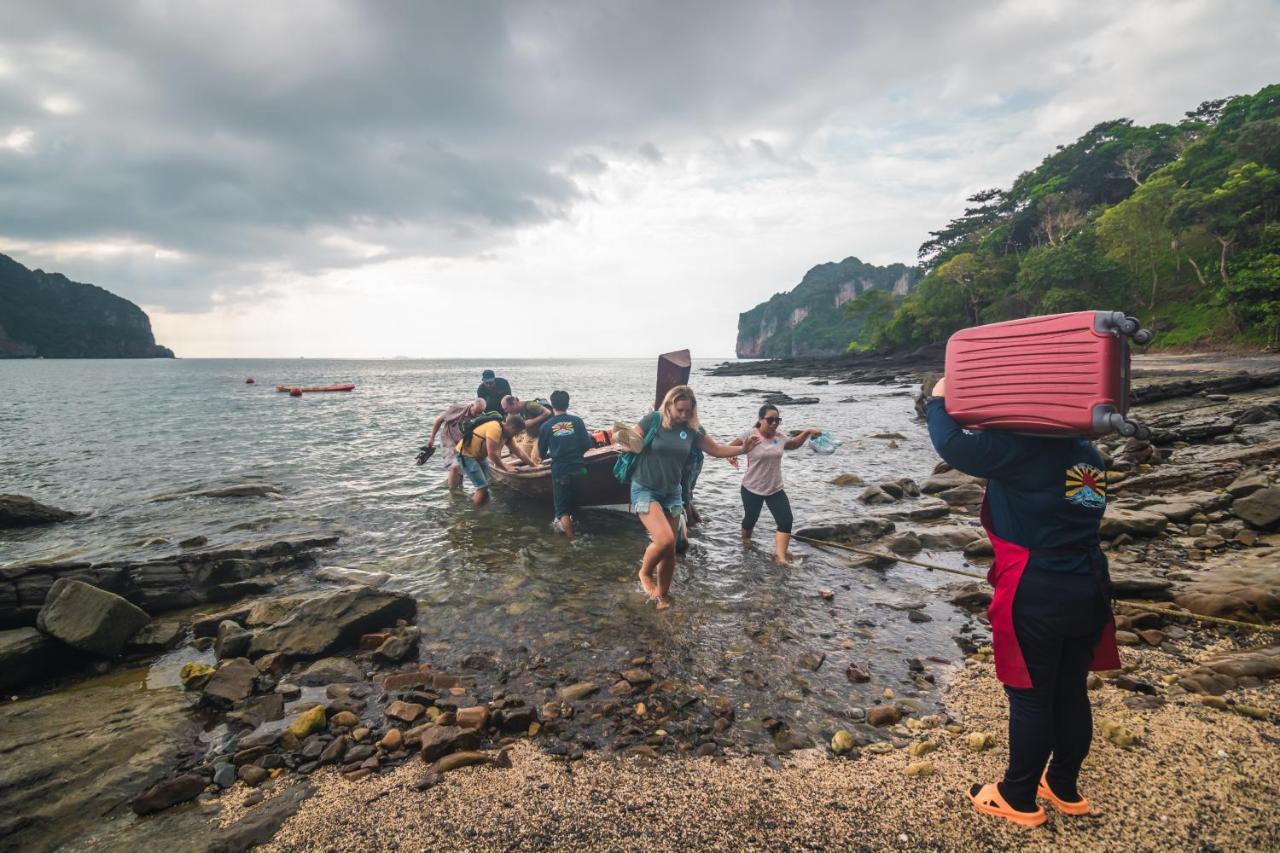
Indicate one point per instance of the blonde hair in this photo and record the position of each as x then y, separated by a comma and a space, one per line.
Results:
680, 392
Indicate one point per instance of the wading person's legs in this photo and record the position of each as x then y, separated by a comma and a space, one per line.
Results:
662, 542
780, 509
751, 506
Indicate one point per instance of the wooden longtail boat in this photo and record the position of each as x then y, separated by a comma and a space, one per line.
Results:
599, 487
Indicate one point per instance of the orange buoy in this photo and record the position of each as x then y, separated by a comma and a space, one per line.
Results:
248, 380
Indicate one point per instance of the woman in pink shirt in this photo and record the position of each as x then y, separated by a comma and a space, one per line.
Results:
762, 482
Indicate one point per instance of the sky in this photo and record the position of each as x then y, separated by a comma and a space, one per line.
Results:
545, 179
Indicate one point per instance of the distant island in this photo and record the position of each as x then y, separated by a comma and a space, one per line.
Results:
1178, 224
46, 315
811, 318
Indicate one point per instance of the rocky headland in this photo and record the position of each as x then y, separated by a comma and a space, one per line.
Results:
307, 709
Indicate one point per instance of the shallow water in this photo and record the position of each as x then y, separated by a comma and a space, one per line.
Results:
107, 437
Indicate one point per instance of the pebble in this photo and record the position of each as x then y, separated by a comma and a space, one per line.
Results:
392, 740
842, 742
979, 741
307, 722
920, 768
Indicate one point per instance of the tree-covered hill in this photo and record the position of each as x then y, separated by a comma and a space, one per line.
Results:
1176, 223
809, 319
48, 315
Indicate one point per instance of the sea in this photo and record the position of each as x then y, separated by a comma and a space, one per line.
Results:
120, 441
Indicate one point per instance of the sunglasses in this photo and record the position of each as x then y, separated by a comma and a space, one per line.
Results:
773, 420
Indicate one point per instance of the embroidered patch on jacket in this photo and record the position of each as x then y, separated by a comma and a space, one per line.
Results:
1087, 486
562, 429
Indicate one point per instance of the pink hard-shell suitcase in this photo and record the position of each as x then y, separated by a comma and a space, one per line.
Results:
1062, 374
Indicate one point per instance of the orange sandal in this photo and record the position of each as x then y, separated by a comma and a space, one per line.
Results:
1079, 807
989, 801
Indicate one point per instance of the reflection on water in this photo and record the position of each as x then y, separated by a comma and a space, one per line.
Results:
105, 437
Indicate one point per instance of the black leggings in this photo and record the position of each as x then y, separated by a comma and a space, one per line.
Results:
779, 508
1058, 618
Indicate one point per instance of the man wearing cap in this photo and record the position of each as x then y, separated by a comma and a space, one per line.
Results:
492, 389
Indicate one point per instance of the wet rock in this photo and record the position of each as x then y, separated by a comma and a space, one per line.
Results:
906, 542
168, 793
918, 616
252, 775
439, 741
263, 709
856, 674
231, 683
156, 638
333, 670
1127, 638
239, 490
406, 712
332, 620
89, 619
848, 480
339, 574
335, 751
948, 538
1131, 521
392, 741
924, 509
638, 676
1260, 509
194, 542
195, 676
395, 649
971, 596
25, 654
232, 641
883, 715
848, 531
576, 692
970, 494
949, 480
344, 719
875, 495
515, 720
311, 720
405, 681
475, 717
1247, 483
786, 740
457, 760
1129, 584
811, 661
21, 511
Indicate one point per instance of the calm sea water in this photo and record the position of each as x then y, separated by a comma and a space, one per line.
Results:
108, 437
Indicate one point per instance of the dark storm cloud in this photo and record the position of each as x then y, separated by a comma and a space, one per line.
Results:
290, 135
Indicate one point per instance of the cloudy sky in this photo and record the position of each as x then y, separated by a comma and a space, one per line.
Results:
597, 178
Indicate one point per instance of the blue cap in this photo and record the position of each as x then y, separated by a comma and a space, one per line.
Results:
487, 375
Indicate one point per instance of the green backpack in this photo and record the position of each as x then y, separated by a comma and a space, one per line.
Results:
626, 464
468, 425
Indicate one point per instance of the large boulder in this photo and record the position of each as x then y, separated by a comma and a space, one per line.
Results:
89, 619
1135, 522
24, 656
949, 480
850, 531
969, 494
331, 620
22, 511
1260, 509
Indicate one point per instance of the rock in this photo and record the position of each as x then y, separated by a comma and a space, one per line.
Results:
1134, 585
848, 480
194, 676
395, 649
919, 749
875, 495
250, 755
949, 538
168, 793
906, 542
918, 616
438, 741
1127, 638
1260, 509
259, 825
335, 751
785, 740
405, 681
1135, 685
231, 683
332, 620
224, 775
392, 741
811, 661
856, 674
979, 741
883, 715
852, 532
21, 511
575, 692
971, 596
920, 768
1179, 512
312, 720
1118, 734
232, 641
89, 619
194, 542
925, 509
457, 760
843, 742
638, 676
344, 719
157, 637
970, 494
1247, 483
331, 671
339, 574
515, 720
252, 775
949, 480
263, 709
25, 656
475, 717
1135, 522
893, 490
406, 712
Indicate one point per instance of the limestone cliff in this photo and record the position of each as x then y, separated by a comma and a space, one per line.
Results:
47, 315
809, 320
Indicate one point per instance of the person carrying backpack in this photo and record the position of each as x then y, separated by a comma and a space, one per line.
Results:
481, 444
671, 433
451, 419
563, 439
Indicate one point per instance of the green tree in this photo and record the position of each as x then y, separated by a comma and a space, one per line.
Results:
1135, 233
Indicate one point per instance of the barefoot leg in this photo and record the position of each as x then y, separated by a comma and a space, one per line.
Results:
566, 524
780, 543
662, 541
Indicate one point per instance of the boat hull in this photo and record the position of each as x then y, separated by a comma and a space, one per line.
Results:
598, 488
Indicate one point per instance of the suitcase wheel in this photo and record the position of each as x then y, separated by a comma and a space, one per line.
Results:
1129, 326
1142, 337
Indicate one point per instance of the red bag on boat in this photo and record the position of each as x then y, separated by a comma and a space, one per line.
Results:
1062, 374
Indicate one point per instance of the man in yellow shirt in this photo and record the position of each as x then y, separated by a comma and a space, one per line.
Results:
485, 446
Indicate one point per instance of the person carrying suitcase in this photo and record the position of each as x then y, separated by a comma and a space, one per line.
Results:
1050, 613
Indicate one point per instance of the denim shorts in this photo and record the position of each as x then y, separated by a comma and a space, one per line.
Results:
642, 496
477, 470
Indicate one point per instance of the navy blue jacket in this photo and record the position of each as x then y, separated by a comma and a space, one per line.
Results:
1042, 492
